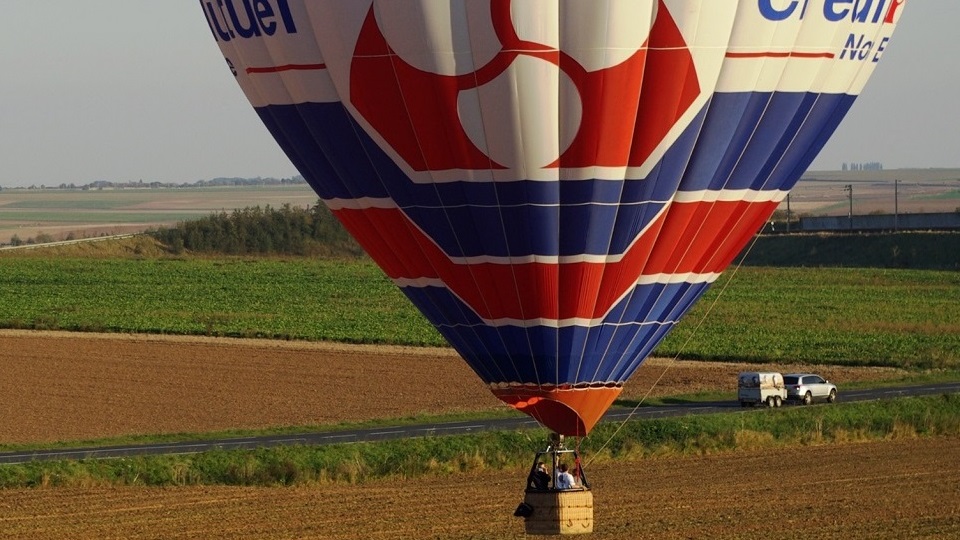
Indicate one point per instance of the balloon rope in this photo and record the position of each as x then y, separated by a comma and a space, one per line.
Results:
676, 357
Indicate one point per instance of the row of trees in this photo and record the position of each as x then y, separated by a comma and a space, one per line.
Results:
286, 230
41, 238
214, 182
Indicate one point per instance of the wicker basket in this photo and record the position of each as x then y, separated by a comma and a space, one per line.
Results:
560, 512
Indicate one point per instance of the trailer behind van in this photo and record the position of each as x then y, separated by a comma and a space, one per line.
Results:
759, 388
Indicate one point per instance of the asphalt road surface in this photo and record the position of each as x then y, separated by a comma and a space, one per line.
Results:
618, 414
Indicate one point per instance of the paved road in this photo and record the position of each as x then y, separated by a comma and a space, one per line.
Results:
429, 430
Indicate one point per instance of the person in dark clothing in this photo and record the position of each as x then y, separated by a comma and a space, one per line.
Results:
539, 478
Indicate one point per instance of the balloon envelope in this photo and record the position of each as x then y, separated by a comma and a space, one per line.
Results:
553, 183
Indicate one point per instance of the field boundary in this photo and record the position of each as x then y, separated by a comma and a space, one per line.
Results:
69, 242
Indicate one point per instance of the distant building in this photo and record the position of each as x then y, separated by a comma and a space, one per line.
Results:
871, 166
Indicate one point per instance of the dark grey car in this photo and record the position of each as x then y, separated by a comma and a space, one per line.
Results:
808, 387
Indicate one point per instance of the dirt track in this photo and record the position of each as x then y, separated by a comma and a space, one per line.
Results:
60, 386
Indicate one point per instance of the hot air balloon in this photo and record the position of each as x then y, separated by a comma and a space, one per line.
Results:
553, 183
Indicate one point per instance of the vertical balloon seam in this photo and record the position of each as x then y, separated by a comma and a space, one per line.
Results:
669, 317
851, 91
422, 298
838, 105
591, 326
817, 95
522, 140
622, 354
680, 305
717, 240
499, 333
552, 379
557, 271
738, 236
612, 349
746, 223
825, 129
498, 330
793, 175
303, 115
626, 364
514, 104
753, 194
485, 357
373, 224
472, 355
470, 268
579, 427
693, 295
695, 228
771, 177
696, 294
529, 329
692, 292
616, 273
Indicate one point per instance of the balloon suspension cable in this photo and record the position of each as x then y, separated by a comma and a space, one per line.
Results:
676, 357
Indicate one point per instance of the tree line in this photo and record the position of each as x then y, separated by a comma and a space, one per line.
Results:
287, 230
213, 182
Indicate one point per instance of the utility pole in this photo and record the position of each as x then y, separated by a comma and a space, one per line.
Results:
849, 189
788, 213
896, 205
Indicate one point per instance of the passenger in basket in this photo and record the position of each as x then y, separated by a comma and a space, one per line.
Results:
539, 478
565, 479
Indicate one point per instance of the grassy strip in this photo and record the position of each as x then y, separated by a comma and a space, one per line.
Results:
415, 420
901, 318
789, 426
353, 463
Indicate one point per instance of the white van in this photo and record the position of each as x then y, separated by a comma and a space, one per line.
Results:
758, 388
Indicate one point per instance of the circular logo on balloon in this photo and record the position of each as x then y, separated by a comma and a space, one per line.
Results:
521, 86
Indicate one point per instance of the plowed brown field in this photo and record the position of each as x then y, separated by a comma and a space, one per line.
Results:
884, 490
59, 386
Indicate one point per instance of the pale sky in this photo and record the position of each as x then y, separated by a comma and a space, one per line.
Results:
124, 90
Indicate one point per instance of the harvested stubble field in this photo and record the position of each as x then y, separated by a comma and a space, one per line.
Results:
62, 386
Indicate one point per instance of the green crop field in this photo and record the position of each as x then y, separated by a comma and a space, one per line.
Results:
300, 299
907, 318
